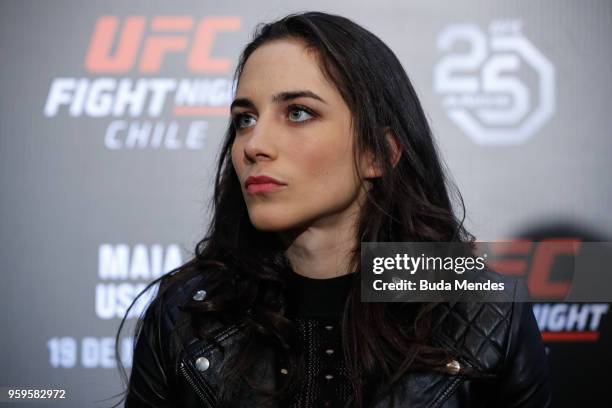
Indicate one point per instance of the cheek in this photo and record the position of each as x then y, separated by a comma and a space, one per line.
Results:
329, 168
326, 151
235, 155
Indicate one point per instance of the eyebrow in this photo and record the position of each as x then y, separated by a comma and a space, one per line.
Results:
278, 98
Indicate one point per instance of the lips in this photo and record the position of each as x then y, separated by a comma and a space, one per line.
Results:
262, 180
262, 184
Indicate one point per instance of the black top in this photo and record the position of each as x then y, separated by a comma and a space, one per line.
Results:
315, 298
316, 306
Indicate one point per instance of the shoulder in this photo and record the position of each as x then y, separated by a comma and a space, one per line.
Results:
176, 291
163, 335
486, 333
166, 318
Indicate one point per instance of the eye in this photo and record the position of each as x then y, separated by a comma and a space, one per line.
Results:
296, 113
300, 113
241, 120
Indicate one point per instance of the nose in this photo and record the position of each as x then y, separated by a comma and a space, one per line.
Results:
260, 142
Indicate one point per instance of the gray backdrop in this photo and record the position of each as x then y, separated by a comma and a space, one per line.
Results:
107, 145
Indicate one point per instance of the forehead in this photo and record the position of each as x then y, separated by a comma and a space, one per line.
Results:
283, 65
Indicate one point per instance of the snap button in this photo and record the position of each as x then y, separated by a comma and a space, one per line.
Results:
284, 371
329, 327
453, 367
329, 352
328, 376
202, 364
199, 295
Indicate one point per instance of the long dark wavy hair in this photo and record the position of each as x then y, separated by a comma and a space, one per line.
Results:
410, 201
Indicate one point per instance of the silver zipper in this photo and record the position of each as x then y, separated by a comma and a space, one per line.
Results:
229, 331
207, 395
208, 399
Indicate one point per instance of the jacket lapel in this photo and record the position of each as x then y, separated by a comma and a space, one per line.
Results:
203, 362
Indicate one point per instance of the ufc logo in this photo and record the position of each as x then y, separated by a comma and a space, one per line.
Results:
535, 261
166, 34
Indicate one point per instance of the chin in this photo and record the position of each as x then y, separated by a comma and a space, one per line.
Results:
270, 224
271, 221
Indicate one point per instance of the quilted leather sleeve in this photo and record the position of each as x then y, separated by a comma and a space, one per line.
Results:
525, 379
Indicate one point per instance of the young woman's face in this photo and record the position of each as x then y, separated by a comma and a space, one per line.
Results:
293, 125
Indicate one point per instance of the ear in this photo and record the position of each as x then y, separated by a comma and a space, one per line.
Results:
371, 168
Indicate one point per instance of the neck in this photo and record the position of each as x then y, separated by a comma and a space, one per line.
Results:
324, 250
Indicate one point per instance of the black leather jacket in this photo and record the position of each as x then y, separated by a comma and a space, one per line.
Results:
501, 341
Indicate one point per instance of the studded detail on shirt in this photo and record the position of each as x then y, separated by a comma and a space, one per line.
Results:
316, 307
327, 383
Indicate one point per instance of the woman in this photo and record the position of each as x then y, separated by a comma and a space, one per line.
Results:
327, 147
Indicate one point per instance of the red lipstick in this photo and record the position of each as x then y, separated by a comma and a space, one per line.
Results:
262, 184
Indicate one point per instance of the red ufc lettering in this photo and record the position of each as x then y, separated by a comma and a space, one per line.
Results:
168, 34
510, 257
535, 261
539, 280
98, 56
